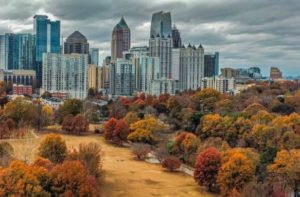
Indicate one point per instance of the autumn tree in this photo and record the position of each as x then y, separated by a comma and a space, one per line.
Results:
253, 108
20, 110
120, 132
287, 167
72, 179
6, 153
109, 127
90, 155
131, 117
207, 167
4, 130
265, 136
67, 123
211, 125
171, 163
237, 169
206, 99
187, 143
54, 148
47, 115
238, 130
70, 107
80, 124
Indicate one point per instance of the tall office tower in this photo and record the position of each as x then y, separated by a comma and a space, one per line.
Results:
120, 41
94, 56
188, 67
176, 37
17, 51
275, 73
211, 64
47, 39
122, 77
66, 73
76, 43
161, 42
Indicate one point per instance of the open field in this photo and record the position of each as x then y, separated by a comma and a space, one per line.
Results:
122, 174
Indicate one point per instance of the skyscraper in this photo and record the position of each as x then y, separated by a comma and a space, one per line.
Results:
76, 43
47, 40
94, 56
211, 64
161, 42
17, 51
66, 73
176, 37
120, 41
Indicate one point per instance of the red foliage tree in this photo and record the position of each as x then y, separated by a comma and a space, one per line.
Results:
120, 132
80, 124
109, 127
171, 163
207, 167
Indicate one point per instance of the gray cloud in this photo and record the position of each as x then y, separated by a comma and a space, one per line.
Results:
264, 33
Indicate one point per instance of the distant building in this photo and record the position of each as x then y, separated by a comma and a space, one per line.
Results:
76, 43
17, 51
94, 56
161, 42
98, 77
22, 90
163, 86
221, 84
19, 77
47, 40
120, 41
275, 73
66, 73
139, 51
188, 67
122, 77
106, 61
229, 72
211, 65
254, 73
177, 43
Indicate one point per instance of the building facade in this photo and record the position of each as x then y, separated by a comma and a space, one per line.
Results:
76, 43
22, 89
120, 41
19, 77
94, 56
177, 43
211, 65
17, 51
66, 73
221, 84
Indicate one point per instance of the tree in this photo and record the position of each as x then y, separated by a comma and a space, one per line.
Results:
54, 148
80, 124
4, 130
140, 150
287, 167
142, 136
20, 110
253, 108
20, 179
70, 107
171, 163
47, 115
290, 140
206, 99
67, 123
211, 125
109, 127
131, 117
238, 130
120, 132
207, 167
237, 169
71, 179
6, 153
90, 155
265, 136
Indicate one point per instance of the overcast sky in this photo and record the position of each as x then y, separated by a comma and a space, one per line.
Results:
246, 32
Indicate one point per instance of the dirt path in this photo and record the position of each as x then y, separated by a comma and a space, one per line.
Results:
123, 176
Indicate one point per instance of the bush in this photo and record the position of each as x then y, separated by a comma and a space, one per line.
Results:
171, 163
54, 148
140, 150
90, 155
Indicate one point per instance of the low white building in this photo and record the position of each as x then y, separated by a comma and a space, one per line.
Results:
221, 84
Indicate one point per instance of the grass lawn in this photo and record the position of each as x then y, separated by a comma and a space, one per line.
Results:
123, 176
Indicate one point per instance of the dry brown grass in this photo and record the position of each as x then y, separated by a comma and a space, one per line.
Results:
123, 175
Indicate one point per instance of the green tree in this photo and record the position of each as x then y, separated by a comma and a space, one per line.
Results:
70, 107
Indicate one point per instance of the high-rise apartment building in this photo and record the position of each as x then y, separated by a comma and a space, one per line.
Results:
122, 77
47, 40
94, 56
221, 84
66, 73
188, 67
161, 42
211, 65
76, 43
120, 41
17, 51
176, 37
275, 73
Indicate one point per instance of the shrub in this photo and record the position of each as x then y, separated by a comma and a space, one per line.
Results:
140, 150
171, 163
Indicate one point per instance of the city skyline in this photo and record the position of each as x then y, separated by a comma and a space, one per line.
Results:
245, 36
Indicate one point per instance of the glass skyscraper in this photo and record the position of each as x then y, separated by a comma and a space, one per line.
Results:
47, 41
